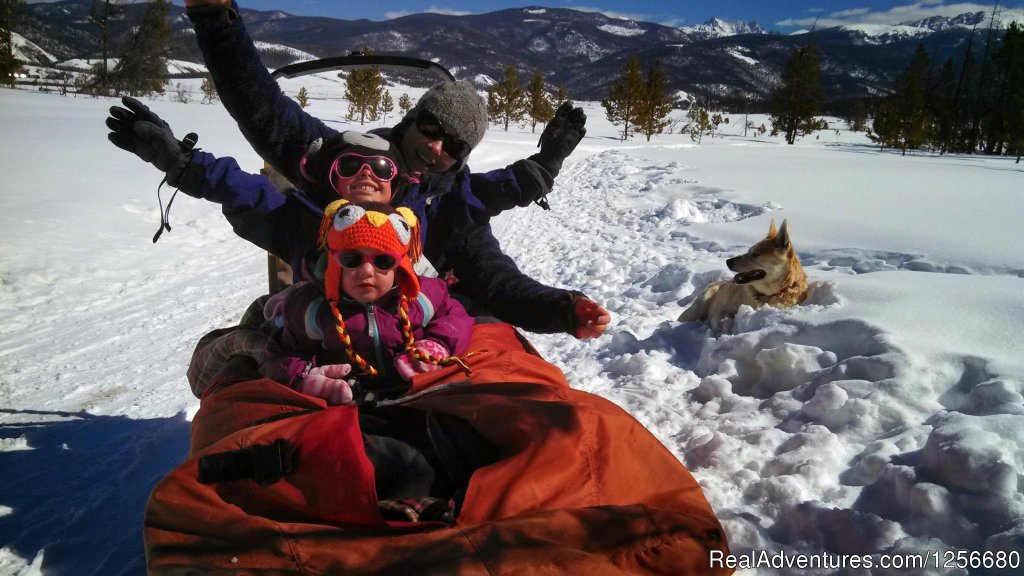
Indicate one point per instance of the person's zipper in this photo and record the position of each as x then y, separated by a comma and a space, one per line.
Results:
374, 332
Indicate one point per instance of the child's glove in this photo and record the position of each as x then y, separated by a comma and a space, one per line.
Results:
327, 382
589, 318
408, 367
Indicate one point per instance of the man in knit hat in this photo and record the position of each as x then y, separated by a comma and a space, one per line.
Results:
451, 119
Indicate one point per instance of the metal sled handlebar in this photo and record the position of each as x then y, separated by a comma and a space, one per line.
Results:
362, 61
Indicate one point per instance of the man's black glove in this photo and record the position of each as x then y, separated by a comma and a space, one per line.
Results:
560, 137
138, 130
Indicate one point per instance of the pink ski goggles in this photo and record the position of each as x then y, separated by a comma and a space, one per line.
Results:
348, 165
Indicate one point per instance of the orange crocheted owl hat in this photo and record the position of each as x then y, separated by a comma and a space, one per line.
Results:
351, 225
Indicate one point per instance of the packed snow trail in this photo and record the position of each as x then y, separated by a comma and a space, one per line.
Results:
816, 387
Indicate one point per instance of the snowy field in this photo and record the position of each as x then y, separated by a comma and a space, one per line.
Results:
883, 418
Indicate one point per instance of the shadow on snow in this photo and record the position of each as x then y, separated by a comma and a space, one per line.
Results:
79, 491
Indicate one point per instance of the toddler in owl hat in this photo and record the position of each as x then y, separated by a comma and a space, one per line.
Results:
363, 310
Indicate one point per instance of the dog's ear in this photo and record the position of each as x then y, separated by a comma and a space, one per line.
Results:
771, 229
782, 237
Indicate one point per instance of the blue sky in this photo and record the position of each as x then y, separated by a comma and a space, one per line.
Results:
780, 15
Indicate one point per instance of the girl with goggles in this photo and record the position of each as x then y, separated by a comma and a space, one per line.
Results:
357, 167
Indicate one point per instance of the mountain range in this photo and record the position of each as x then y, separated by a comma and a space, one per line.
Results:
584, 51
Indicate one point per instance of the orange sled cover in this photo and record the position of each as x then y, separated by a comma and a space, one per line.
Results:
580, 488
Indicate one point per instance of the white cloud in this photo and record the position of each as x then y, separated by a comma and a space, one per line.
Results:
431, 10
639, 17
673, 22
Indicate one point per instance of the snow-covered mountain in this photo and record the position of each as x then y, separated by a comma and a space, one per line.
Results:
928, 27
940, 23
583, 51
27, 51
717, 28
886, 33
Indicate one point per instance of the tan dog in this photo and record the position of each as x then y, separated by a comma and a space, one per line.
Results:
769, 273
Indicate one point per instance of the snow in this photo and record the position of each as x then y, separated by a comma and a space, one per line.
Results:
888, 30
621, 30
736, 53
886, 33
299, 55
173, 66
718, 28
27, 51
883, 416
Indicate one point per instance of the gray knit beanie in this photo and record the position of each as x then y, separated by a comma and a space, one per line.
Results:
459, 107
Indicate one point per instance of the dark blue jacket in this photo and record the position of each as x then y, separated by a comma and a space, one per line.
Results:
455, 223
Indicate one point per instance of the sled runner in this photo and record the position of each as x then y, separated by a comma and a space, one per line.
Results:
531, 477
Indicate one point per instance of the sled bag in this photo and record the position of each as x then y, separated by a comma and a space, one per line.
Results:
579, 486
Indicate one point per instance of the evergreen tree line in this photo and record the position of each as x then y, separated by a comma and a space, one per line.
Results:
966, 106
637, 103
510, 103
141, 67
963, 107
367, 95
9, 65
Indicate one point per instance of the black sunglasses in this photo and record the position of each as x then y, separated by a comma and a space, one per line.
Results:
430, 126
383, 262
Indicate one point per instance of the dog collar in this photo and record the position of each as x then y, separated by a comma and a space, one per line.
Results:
790, 287
766, 298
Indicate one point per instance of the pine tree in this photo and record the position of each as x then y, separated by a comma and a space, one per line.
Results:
404, 104
208, 90
984, 94
623, 103
506, 99
561, 94
386, 105
963, 98
9, 65
1010, 63
885, 125
797, 101
538, 103
857, 116
699, 122
942, 134
911, 101
142, 69
101, 14
302, 97
363, 90
656, 105
182, 94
